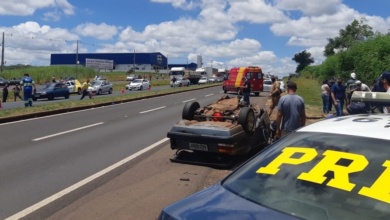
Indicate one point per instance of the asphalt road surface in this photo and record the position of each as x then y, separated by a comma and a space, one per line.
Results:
103, 163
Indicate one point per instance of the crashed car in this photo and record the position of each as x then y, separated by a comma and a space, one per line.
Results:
225, 127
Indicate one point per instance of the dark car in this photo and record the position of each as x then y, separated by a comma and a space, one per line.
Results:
3, 81
225, 127
14, 81
337, 168
51, 91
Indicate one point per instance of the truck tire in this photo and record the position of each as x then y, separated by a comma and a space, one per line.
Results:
257, 93
247, 119
224, 90
189, 110
79, 91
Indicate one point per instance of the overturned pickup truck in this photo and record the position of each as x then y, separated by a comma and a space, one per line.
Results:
225, 127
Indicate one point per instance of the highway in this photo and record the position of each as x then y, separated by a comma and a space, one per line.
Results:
41, 157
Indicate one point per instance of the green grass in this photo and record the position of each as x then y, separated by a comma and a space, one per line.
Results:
310, 91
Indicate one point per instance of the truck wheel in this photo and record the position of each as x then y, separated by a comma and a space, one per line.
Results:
79, 91
247, 119
189, 110
110, 91
67, 96
224, 90
257, 93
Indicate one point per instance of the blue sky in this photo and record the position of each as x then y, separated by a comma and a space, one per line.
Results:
226, 33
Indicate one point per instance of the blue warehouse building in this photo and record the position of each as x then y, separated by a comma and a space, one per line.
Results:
121, 61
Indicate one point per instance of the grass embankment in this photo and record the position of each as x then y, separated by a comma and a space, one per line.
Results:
310, 91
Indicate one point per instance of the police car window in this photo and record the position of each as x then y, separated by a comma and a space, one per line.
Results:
289, 189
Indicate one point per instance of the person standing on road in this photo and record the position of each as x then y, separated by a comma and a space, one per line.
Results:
339, 96
246, 90
16, 90
351, 85
174, 82
5, 93
291, 111
84, 89
29, 89
274, 94
325, 95
385, 82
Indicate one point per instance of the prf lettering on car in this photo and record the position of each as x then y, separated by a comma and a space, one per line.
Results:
380, 189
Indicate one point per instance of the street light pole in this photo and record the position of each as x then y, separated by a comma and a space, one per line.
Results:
2, 55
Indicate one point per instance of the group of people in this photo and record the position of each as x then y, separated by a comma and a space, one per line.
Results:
291, 113
28, 87
16, 91
291, 107
339, 94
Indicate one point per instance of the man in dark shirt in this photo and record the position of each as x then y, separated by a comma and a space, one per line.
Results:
246, 90
339, 96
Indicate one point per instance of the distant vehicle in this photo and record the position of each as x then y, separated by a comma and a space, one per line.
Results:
282, 86
203, 80
132, 77
51, 91
14, 81
267, 85
138, 84
67, 78
181, 72
213, 79
234, 81
207, 71
74, 86
3, 81
100, 86
181, 82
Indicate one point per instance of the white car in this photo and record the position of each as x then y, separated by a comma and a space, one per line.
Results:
213, 79
267, 85
181, 82
100, 86
282, 86
138, 84
203, 80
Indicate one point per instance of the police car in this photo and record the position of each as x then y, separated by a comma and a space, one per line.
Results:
337, 168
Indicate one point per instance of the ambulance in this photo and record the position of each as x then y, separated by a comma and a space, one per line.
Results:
234, 82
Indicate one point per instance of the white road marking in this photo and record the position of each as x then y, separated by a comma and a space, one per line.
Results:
62, 193
209, 95
65, 132
189, 100
153, 109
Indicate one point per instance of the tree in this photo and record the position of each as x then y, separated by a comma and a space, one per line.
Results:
353, 33
303, 59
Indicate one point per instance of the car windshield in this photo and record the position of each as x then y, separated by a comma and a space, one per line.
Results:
267, 82
319, 176
96, 83
49, 85
137, 81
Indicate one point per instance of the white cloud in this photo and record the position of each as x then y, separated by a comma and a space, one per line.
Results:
255, 11
183, 4
311, 7
28, 7
101, 31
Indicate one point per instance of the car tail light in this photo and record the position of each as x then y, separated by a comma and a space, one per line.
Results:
217, 116
226, 148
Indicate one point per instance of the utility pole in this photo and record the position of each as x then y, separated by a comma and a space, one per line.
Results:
2, 55
134, 60
77, 57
